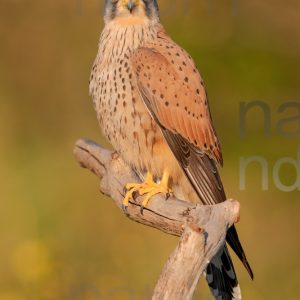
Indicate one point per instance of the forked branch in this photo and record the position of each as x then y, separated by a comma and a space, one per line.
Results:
202, 228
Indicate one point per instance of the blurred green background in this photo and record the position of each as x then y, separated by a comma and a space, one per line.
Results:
59, 237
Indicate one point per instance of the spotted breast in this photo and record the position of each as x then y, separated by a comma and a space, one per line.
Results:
122, 115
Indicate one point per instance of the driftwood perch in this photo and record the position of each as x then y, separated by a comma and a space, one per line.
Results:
202, 228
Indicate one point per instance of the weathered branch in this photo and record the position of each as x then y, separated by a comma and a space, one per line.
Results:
202, 228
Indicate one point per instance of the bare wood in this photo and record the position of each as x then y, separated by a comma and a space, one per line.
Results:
197, 246
202, 228
183, 269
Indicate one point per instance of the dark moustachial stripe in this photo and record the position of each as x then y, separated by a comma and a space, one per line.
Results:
151, 8
110, 9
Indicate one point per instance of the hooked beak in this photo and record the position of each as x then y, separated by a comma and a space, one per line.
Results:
131, 4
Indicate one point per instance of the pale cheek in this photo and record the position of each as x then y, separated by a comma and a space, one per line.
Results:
140, 12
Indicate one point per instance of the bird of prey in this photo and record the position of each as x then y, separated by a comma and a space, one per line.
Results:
152, 106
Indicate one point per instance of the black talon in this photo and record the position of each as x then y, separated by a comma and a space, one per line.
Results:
168, 195
124, 208
125, 190
134, 195
142, 210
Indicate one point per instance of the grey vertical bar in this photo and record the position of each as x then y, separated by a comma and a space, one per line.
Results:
234, 8
210, 7
186, 7
78, 7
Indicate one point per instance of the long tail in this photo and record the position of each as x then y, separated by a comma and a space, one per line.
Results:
233, 240
221, 277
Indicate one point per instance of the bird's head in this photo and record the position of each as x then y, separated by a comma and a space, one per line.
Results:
131, 11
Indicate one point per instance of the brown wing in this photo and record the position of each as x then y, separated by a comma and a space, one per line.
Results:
171, 85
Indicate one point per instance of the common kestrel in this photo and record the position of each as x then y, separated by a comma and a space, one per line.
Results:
152, 106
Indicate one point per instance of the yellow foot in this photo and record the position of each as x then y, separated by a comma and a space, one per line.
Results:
149, 188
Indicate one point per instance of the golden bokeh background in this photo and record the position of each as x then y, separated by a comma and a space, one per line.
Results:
59, 237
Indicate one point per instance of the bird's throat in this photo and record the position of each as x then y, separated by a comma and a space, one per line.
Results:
130, 20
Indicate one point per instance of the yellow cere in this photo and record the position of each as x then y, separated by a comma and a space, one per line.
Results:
125, 2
